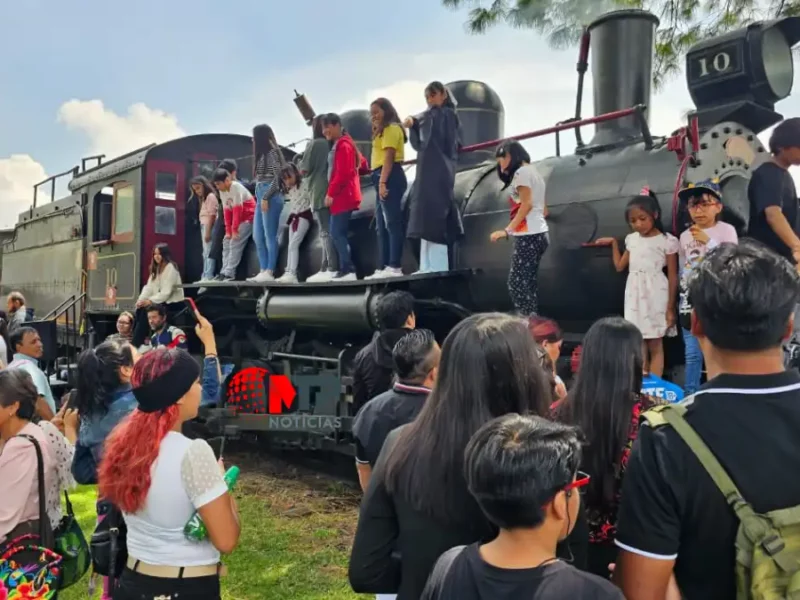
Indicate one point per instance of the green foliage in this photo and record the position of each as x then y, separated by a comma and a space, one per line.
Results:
683, 22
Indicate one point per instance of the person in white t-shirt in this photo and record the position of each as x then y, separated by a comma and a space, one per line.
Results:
528, 226
158, 478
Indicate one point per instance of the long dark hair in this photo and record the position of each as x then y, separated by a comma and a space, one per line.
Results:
98, 376
489, 367
207, 189
263, 141
316, 127
648, 202
290, 169
608, 384
389, 116
519, 156
166, 258
439, 87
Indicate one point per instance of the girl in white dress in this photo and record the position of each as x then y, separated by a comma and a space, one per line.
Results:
650, 296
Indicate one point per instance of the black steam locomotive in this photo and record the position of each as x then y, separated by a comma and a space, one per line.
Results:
90, 250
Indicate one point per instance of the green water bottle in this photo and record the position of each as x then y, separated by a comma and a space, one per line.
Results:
195, 530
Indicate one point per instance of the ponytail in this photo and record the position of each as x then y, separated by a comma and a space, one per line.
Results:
98, 376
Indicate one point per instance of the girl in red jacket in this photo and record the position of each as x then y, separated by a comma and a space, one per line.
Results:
344, 189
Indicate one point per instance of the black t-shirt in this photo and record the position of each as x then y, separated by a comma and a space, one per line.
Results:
771, 185
671, 508
461, 574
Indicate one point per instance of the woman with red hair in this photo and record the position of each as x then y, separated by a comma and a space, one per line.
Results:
548, 335
158, 478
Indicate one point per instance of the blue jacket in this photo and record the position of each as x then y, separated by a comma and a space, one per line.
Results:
95, 429
212, 386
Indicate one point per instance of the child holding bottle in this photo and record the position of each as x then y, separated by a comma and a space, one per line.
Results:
649, 294
704, 202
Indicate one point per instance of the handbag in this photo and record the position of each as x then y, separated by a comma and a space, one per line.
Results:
109, 548
28, 566
71, 544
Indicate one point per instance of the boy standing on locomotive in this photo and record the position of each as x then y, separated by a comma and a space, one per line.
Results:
239, 209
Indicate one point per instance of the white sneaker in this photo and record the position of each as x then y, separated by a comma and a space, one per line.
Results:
348, 277
321, 277
262, 277
380, 273
287, 277
393, 272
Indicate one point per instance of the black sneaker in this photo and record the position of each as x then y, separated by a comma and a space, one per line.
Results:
219, 277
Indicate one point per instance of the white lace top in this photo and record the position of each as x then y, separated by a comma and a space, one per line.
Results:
185, 477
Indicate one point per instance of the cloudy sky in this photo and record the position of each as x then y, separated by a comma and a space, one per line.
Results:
99, 78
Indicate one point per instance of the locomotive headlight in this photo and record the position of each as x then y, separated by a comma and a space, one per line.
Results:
743, 73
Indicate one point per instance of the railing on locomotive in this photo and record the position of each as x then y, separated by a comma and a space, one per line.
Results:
563, 126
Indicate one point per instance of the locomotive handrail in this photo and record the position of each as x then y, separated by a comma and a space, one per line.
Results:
63, 307
564, 125
52, 180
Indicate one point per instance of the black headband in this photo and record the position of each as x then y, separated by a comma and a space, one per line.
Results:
163, 392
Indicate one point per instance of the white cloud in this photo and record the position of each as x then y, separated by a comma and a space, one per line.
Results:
112, 134
18, 174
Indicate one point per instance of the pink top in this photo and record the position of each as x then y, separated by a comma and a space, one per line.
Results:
692, 251
208, 209
18, 468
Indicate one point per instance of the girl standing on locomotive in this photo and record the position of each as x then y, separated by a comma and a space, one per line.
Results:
300, 217
209, 204
344, 190
528, 226
650, 296
314, 169
163, 287
434, 217
389, 179
268, 163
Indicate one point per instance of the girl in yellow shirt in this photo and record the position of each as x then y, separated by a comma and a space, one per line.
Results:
389, 179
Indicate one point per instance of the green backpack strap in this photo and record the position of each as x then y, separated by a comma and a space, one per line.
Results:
757, 527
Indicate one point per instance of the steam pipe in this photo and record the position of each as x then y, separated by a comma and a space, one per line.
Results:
583, 65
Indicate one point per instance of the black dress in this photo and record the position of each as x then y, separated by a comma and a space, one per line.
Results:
433, 214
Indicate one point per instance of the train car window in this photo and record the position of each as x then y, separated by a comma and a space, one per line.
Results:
123, 209
166, 221
166, 186
205, 168
102, 215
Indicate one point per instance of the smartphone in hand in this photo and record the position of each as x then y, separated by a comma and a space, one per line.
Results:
193, 308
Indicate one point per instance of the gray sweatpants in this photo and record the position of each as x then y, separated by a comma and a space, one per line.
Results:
232, 250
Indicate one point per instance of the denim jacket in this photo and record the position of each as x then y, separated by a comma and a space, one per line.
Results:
212, 385
95, 429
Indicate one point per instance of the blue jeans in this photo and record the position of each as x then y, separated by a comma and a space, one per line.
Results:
389, 217
339, 225
212, 385
694, 362
209, 264
433, 257
265, 227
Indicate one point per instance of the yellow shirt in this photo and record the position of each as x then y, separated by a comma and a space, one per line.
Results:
392, 137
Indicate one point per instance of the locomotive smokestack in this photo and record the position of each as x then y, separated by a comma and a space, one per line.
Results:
622, 70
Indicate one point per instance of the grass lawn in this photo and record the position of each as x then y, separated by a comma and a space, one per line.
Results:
295, 543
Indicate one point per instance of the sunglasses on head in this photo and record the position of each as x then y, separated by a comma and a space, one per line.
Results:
581, 480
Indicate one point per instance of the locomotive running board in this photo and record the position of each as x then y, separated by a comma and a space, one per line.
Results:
333, 284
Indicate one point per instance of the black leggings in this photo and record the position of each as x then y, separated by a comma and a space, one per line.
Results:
523, 282
135, 586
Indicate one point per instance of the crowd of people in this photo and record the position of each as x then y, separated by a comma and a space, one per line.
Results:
487, 472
